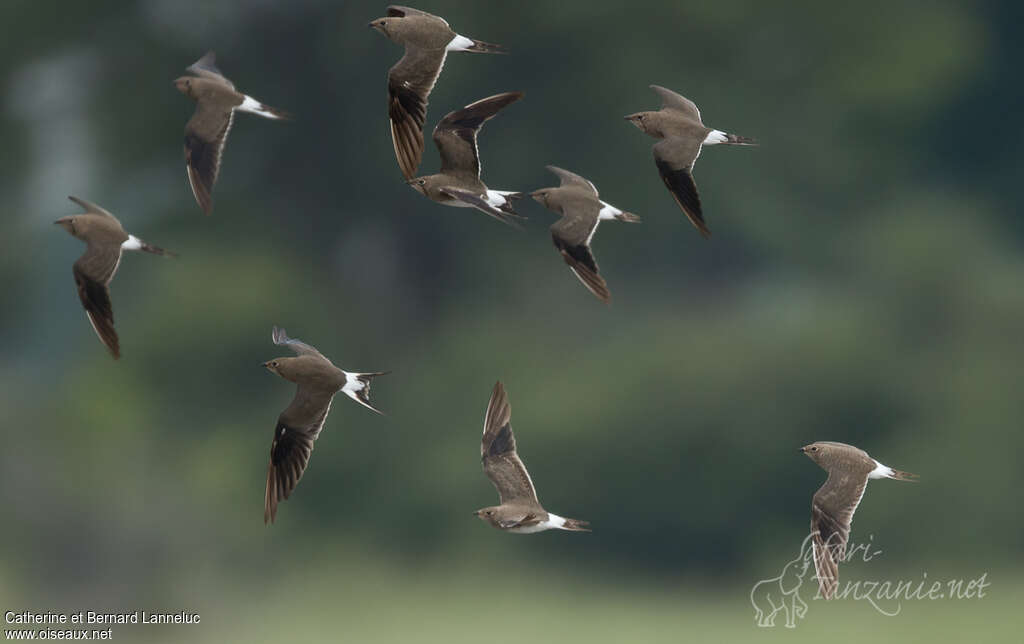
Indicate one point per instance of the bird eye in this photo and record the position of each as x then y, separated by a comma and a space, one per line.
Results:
274, 363
423, 182
814, 449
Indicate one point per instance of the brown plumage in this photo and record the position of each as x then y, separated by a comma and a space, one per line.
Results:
427, 40
577, 201
519, 511
835, 502
458, 183
681, 132
300, 423
105, 239
206, 132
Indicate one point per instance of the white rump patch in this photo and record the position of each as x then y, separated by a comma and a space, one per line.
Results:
459, 43
608, 211
132, 243
715, 136
497, 197
253, 106
554, 522
880, 471
352, 384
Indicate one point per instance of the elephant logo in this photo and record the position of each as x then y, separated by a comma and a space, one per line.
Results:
780, 594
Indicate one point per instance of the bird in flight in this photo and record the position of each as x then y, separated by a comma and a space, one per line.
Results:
458, 183
207, 131
519, 511
576, 200
682, 134
300, 423
833, 505
105, 241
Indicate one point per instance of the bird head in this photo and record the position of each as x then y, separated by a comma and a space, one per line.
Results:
641, 120
541, 196
419, 184
816, 451
274, 366
490, 515
184, 85
381, 25
67, 223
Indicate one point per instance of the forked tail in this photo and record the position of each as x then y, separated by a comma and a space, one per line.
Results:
736, 139
357, 387
900, 475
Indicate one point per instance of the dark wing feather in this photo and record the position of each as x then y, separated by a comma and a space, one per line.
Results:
410, 82
205, 136
297, 428
675, 157
498, 453
455, 135
831, 515
398, 11
93, 272
581, 260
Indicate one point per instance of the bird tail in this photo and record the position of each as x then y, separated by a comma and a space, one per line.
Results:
156, 250
736, 139
251, 105
628, 217
899, 475
357, 387
575, 525
482, 47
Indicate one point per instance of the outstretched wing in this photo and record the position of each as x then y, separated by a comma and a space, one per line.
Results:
672, 101
832, 511
410, 82
675, 157
206, 133
455, 135
481, 204
280, 337
498, 452
93, 272
206, 67
572, 179
297, 428
572, 234
92, 208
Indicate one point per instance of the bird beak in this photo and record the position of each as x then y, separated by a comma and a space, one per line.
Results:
802, 449
628, 118
56, 222
265, 365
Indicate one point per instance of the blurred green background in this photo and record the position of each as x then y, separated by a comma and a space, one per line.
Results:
863, 284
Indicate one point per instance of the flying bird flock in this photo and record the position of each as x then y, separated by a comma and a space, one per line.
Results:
427, 40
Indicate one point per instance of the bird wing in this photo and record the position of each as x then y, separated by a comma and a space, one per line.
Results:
92, 208
280, 337
498, 453
410, 82
572, 179
206, 67
93, 272
675, 157
205, 136
832, 511
455, 135
572, 234
481, 204
398, 11
672, 101
297, 428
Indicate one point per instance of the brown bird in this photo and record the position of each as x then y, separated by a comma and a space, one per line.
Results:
835, 502
299, 425
458, 183
682, 135
105, 239
207, 131
576, 200
427, 40
520, 511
